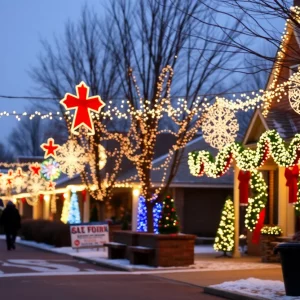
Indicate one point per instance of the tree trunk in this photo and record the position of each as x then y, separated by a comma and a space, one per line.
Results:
149, 206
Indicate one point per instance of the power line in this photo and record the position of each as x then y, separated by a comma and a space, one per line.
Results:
174, 96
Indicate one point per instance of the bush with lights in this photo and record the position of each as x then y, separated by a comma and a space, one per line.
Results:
271, 230
168, 222
224, 240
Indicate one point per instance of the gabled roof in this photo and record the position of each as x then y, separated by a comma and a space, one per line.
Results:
183, 177
279, 113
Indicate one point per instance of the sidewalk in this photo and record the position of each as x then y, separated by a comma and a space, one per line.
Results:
226, 277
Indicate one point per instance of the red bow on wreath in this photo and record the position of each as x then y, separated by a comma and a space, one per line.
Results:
244, 178
291, 174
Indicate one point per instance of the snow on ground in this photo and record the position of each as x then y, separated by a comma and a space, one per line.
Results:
101, 255
267, 289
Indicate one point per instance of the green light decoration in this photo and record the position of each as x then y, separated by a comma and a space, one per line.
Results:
269, 144
224, 240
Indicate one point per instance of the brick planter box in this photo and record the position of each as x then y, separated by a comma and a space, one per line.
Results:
170, 250
268, 243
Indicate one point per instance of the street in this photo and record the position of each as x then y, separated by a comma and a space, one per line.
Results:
27, 273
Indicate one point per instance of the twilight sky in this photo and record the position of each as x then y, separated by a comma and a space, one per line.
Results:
22, 25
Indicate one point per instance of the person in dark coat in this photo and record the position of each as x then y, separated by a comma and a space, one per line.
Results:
11, 221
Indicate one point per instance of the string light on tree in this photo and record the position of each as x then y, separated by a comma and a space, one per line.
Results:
219, 126
102, 157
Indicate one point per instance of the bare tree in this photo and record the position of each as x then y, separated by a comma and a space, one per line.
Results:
150, 37
258, 21
26, 138
81, 56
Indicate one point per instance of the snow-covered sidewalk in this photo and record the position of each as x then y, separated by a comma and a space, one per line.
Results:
261, 289
101, 257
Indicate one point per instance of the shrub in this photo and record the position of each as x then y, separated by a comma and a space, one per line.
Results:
53, 233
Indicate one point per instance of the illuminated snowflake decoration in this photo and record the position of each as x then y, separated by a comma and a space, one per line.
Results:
20, 181
36, 185
71, 158
50, 169
3, 183
102, 157
219, 127
294, 93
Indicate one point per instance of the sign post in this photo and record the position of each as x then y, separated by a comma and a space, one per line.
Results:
89, 235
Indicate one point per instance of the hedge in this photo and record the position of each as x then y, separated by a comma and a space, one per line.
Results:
49, 232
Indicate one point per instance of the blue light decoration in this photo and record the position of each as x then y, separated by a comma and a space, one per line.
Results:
142, 215
74, 214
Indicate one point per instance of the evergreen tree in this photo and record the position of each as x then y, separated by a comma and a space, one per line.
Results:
65, 211
224, 240
168, 223
74, 214
142, 215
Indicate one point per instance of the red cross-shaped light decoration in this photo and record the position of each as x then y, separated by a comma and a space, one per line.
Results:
35, 169
50, 148
83, 105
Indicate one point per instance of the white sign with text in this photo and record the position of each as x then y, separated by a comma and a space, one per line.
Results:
88, 235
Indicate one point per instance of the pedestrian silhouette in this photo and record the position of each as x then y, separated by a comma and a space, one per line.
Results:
11, 221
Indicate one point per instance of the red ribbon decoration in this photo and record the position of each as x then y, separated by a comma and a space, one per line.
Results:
291, 174
41, 197
244, 178
259, 226
83, 193
23, 200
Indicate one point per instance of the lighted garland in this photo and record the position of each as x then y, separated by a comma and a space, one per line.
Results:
271, 230
256, 204
269, 144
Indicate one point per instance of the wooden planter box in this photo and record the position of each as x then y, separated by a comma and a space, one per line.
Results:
170, 250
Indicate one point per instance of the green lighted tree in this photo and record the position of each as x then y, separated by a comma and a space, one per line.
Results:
224, 240
168, 223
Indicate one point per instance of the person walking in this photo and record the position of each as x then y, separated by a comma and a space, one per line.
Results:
11, 221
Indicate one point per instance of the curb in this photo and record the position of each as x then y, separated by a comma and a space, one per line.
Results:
230, 295
103, 264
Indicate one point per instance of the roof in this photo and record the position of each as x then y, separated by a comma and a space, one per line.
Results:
183, 176
281, 115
